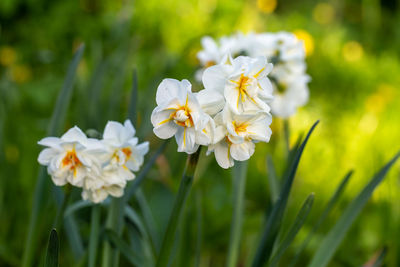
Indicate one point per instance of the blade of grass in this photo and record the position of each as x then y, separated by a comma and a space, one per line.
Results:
71, 209
52, 250
183, 192
335, 236
324, 215
239, 185
55, 125
94, 235
274, 221
122, 246
294, 229
272, 180
199, 220
74, 238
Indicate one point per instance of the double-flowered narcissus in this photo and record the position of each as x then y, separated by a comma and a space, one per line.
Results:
99, 167
284, 50
229, 116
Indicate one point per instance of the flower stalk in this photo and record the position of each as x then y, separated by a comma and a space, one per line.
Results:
94, 235
239, 186
177, 210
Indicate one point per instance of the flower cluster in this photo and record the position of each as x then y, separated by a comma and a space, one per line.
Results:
283, 49
99, 167
229, 115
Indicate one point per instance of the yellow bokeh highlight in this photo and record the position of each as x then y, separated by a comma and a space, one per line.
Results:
377, 101
8, 56
307, 39
352, 51
11, 153
324, 13
21, 73
267, 6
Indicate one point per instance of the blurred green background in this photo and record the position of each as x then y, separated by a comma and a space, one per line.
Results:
353, 59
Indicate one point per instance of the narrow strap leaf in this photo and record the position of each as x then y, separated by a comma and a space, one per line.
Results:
123, 247
239, 184
324, 215
71, 209
274, 220
381, 257
52, 250
56, 122
273, 181
298, 223
335, 236
94, 235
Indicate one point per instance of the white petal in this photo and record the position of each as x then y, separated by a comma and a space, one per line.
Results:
46, 155
214, 78
164, 127
185, 138
222, 155
74, 135
242, 151
167, 90
211, 101
51, 142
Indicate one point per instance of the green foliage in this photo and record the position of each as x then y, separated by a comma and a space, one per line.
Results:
52, 250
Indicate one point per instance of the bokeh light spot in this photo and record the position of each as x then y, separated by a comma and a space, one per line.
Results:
307, 39
21, 73
352, 51
324, 13
7, 56
267, 6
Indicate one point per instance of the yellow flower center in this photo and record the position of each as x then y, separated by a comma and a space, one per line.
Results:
240, 128
71, 161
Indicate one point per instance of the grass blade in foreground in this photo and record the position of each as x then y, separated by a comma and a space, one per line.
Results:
52, 250
239, 184
273, 181
275, 218
325, 213
56, 122
183, 192
335, 236
298, 223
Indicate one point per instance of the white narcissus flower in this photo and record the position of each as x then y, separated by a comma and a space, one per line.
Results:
179, 113
244, 83
71, 158
235, 136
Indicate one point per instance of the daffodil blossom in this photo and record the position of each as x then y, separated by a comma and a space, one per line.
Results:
235, 136
179, 113
71, 158
244, 83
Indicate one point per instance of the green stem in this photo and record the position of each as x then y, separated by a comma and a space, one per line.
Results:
94, 235
183, 192
239, 185
286, 133
110, 255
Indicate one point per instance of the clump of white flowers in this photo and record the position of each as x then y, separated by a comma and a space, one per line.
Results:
284, 50
99, 167
229, 116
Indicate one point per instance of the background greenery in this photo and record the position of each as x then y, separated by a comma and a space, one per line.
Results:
353, 59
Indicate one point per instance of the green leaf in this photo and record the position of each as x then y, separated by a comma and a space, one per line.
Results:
177, 210
335, 236
275, 218
123, 247
94, 235
52, 250
272, 180
71, 209
239, 185
325, 213
298, 223
55, 126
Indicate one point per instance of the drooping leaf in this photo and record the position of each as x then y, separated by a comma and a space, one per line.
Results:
275, 218
298, 223
336, 235
52, 250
